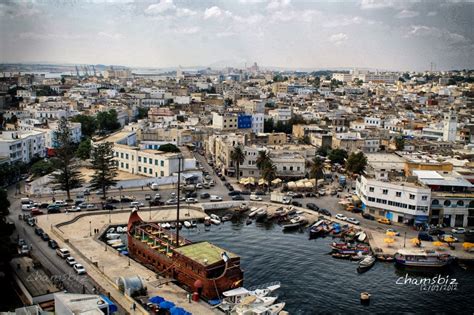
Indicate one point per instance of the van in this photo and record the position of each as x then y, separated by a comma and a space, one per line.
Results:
27, 207
63, 252
154, 186
26, 201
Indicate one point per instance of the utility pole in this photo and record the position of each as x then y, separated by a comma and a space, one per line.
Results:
177, 205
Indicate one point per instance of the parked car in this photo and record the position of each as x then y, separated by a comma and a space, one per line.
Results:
436, 232
245, 192
259, 193
234, 193
112, 200
298, 195
54, 210
255, 198
310, 195
60, 203
53, 244
191, 200
45, 237
136, 204
384, 221
53, 207
36, 211
63, 252
109, 206
296, 203
459, 230
215, 198
353, 221
79, 269
43, 205
199, 186
238, 197
38, 231
71, 261
127, 199
447, 238
191, 194
312, 206
147, 197
205, 195
341, 217
86, 192
393, 231
325, 212
172, 201
423, 236
157, 196
368, 216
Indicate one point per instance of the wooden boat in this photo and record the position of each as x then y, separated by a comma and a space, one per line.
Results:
187, 224
422, 258
366, 263
261, 215
227, 217
200, 267
248, 222
385, 258
215, 219
361, 237
340, 256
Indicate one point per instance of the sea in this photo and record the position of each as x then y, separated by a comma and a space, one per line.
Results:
313, 282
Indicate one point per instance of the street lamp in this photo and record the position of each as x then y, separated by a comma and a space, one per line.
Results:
120, 197
90, 228
149, 209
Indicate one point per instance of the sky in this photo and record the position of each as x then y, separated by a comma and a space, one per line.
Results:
389, 35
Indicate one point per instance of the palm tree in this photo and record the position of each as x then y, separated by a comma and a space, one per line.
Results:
269, 172
238, 157
316, 169
262, 159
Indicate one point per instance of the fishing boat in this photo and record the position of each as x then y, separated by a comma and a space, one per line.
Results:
264, 289
366, 263
295, 223
207, 221
274, 309
200, 267
250, 303
340, 256
112, 236
253, 212
235, 296
187, 224
316, 231
227, 217
261, 215
215, 219
422, 258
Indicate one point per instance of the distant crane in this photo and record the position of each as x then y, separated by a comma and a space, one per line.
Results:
95, 73
77, 72
85, 71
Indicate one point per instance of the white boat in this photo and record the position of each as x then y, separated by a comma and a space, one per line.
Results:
367, 262
422, 258
112, 236
362, 236
274, 309
166, 225
318, 223
236, 296
193, 223
187, 224
111, 230
110, 242
254, 212
251, 303
116, 245
215, 221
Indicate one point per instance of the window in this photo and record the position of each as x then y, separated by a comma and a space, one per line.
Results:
435, 202
144, 169
139, 159
371, 189
126, 156
150, 171
385, 191
156, 162
144, 160
460, 203
162, 163
162, 173
424, 198
151, 161
411, 207
121, 164
139, 168
398, 194
447, 203
126, 166
412, 196
121, 155
371, 199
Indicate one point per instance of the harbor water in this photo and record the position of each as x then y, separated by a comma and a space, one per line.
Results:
313, 282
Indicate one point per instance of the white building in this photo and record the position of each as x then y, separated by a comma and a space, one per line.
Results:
401, 202
280, 114
450, 126
224, 122
258, 122
22, 145
373, 122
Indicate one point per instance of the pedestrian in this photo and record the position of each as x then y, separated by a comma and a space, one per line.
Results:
189, 297
134, 306
142, 187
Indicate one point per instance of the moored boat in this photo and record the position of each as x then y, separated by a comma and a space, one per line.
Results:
366, 263
422, 258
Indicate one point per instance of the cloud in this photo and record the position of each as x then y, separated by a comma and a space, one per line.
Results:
384, 4
338, 39
216, 12
432, 13
110, 35
225, 34
251, 1
185, 12
346, 21
294, 15
160, 8
251, 19
47, 36
19, 9
188, 30
406, 14
278, 4
441, 34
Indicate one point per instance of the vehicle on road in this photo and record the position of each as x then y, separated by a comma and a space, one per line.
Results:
393, 231
296, 203
109, 206
238, 197
215, 198
26, 201
199, 186
384, 221
45, 237
341, 217
79, 269
147, 197
74, 209
423, 236
325, 212
53, 244
280, 198
71, 261
63, 252
157, 196
458, 230
312, 206
43, 205
353, 221
136, 204
60, 203
234, 193
254, 197
191, 200
368, 216
205, 195
310, 195
112, 200
23, 249
436, 232
127, 198
31, 221
38, 231
27, 207
87, 206
448, 238
172, 201
36, 211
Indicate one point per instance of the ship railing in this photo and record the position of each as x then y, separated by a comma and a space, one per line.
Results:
264, 286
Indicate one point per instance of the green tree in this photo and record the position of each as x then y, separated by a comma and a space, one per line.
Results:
88, 124
305, 139
356, 163
102, 160
269, 172
4, 203
238, 157
6, 229
84, 150
316, 170
107, 121
337, 156
169, 147
42, 167
142, 113
67, 175
268, 125
262, 159
400, 143
323, 151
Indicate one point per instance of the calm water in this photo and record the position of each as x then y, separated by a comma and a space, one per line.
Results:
314, 282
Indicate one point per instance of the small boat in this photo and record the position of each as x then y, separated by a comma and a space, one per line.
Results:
173, 225
253, 212
116, 241
111, 230
215, 219
280, 212
207, 221
316, 231
261, 215
366, 263
227, 217
422, 258
248, 222
193, 223
112, 236
166, 225
364, 298
187, 224
340, 256
362, 236
274, 309
385, 258
118, 245
291, 211
119, 229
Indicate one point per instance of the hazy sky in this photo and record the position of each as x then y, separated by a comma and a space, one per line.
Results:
388, 34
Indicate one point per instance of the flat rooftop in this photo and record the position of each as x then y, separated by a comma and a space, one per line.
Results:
30, 279
204, 253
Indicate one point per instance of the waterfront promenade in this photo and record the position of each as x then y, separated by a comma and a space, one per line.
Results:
105, 264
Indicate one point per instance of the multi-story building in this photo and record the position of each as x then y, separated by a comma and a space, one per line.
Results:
399, 201
280, 114
450, 126
22, 145
224, 122
258, 120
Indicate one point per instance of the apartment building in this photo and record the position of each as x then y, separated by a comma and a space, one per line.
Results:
399, 201
280, 114
22, 145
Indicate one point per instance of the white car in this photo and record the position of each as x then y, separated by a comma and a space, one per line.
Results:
208, 177
171, 201
458, 230
136, 204
74, 209
341, 217
79, 269
191, 200
71, 261
60, 203
353, 221
212, 183
255, 198
199, 186
215, 198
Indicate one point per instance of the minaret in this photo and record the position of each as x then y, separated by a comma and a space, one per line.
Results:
450, 126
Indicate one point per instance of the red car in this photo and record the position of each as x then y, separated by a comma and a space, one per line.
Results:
36, 211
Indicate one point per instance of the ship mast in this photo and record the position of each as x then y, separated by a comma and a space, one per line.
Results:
177, 205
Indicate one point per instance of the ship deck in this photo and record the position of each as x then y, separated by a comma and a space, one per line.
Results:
203, 253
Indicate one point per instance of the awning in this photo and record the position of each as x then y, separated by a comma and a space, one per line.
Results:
276, 181
112, 307
421, 218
